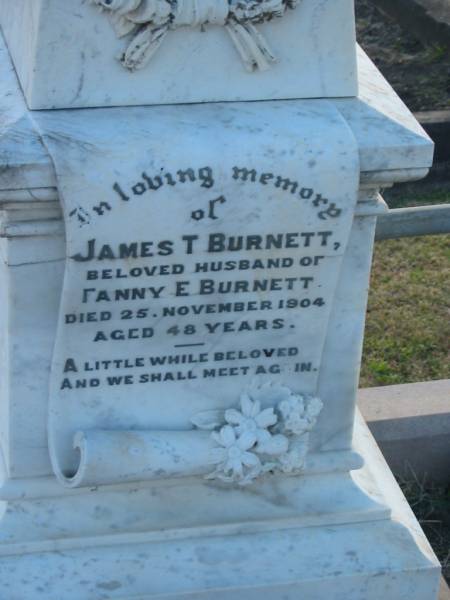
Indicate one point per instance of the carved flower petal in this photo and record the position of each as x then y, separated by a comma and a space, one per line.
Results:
227, 435
208, 419
297, 425
284, 408
276, 446
292, 461
262, 436
247, 440
234, 417
314, 407
217, 437
256, 408
247, 425
250, 460
246, 405
235, 466
266, 418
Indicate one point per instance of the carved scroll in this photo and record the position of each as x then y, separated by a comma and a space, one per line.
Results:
267, 433
195, 271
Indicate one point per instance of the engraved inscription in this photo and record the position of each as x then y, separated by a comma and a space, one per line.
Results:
204, 257
191, 297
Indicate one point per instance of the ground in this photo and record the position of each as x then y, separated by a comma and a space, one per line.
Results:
431, 505
419, 74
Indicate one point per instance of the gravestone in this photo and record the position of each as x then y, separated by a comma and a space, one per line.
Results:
184, 283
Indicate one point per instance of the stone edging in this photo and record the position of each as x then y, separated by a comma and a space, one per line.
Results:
411, 423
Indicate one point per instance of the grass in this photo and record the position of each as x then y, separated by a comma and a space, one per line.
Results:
417, 72
418, 194
408, 324
431, 505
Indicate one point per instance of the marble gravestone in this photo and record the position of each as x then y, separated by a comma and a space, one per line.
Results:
184, 280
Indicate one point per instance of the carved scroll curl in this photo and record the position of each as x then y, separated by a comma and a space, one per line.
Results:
267, 433
147, 22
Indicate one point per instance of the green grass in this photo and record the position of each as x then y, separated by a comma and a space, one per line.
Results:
435, 53
408, 321
418, 195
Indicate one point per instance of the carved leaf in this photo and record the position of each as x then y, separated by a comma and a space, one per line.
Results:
208, 419
148, 21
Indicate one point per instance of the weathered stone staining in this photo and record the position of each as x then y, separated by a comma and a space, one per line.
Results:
194, 279
78, 48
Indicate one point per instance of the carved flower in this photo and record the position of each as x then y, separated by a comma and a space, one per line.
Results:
258, 422
299, 414
253, 441
294, 460
232, 457
293, 413
273, 445
314, 408
251, 418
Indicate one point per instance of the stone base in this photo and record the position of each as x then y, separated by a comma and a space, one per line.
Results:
326, 535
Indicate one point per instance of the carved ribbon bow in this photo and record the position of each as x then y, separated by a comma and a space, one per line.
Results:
148, 21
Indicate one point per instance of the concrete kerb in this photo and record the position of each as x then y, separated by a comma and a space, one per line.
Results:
411, 424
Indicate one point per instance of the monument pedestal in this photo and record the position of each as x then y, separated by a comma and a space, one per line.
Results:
115, 489
284, 538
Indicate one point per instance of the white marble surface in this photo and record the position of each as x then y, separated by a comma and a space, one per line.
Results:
34, 275
289, 539
393, 146
147, 335
135, 541
333, 532
389, 136
34, 246
65, 55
